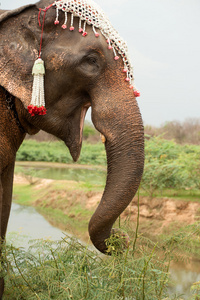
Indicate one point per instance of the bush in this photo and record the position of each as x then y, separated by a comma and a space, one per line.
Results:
69, 270
167, 165
170, 166
32, 150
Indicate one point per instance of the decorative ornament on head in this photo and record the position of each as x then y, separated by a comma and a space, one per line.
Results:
89, 13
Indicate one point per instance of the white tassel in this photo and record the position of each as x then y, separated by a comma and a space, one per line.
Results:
37, 106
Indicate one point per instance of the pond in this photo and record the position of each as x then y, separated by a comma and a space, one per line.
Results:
77, 173
27, 224
183, 277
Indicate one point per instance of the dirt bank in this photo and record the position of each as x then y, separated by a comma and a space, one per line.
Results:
157, 215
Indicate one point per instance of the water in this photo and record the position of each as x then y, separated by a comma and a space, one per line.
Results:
89, 174
26, 224
183, 278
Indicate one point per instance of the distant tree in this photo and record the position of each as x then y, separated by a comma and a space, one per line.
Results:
187, 132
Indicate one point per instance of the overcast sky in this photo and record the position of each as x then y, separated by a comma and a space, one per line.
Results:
164, 45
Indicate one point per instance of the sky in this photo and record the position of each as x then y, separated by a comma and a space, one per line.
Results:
164, 46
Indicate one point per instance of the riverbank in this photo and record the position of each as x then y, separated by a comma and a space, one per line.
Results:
69, 206
166, 232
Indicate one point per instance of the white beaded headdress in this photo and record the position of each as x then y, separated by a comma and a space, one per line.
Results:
89, 13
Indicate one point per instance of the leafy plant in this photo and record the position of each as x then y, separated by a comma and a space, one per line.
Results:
31, 150
196, 290
170, 166
69, 270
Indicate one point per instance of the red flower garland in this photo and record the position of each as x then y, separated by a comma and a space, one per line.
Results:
35, 110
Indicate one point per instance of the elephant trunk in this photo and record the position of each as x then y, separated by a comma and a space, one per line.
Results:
123, 129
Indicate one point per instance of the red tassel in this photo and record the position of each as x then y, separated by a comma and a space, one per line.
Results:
35, 110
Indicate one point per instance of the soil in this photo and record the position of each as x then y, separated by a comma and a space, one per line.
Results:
156, 215
160, 213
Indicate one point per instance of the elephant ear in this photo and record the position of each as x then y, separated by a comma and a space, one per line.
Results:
18, 50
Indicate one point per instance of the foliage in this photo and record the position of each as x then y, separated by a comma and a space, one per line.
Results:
170, 166
167, 165
196, 290
88, 130
69, 270
182, 132
31, 150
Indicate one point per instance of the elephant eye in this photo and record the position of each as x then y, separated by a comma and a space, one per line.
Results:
90, 65
91, 60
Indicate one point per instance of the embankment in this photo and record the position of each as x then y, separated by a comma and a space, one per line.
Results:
69, 205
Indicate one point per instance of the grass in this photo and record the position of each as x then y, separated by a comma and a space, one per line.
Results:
24, 193
58, 204
65, 222
176, 194
186, 195
70, 270
63, 204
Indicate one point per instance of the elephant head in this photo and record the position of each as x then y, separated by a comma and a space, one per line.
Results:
85, 65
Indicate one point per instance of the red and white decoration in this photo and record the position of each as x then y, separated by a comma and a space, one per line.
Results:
37, 106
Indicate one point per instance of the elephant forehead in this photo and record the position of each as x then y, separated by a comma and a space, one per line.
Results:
68, 46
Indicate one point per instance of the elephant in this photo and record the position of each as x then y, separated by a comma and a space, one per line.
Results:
81, 71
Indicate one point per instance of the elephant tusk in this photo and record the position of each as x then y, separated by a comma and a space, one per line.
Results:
103, 138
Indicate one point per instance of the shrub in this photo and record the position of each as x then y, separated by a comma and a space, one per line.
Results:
167, 165
69, 270
170, 166
32, 150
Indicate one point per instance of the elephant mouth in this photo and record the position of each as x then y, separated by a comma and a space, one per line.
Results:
82, 119
75, 136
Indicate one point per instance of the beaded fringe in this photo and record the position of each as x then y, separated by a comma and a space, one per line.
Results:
37, 106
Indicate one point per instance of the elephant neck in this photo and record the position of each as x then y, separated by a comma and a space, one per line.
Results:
17, 112
10, 103
11, 135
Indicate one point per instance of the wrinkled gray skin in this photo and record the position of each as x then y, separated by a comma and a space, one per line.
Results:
80, 72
